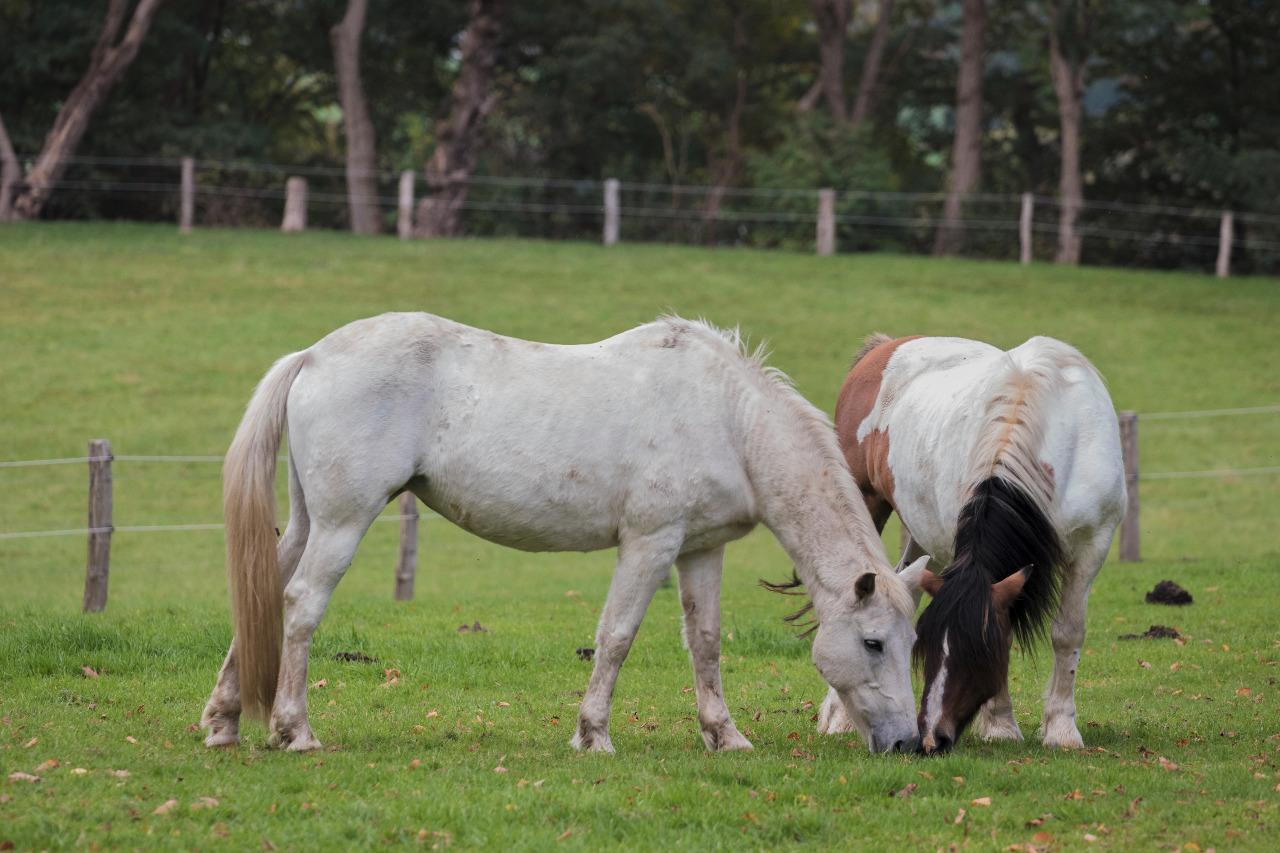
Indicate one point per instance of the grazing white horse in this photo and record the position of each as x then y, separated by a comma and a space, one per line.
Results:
667, 441
1006, 468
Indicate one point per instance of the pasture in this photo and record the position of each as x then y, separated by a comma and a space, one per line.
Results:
155, 340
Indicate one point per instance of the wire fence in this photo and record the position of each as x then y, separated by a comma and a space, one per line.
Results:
1214, 473
235, 193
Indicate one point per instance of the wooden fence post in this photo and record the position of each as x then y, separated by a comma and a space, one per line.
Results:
187, 208
1130, 550
1024, 228
826, 222
407, 565
612, 212
295, 205
404, 212
1225, 234
99, 560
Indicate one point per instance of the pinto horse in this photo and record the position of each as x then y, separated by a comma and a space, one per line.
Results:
1006, 468
667, 441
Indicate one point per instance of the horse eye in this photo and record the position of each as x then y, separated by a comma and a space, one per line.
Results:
873, 645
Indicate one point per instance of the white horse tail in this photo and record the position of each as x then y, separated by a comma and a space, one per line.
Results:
249, 507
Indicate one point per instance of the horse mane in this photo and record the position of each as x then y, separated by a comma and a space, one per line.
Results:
775, 383
872, 341
1007, 522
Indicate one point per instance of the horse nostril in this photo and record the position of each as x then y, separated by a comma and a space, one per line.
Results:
910, 745
944, 745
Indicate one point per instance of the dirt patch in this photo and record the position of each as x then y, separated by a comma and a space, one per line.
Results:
1168, 592
354, 657
1155, 632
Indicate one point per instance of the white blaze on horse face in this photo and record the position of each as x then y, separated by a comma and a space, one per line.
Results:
873, 685
933, 698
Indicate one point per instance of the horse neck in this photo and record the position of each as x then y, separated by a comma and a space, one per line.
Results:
809, 500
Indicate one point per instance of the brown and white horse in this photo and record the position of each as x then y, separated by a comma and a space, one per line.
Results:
1006, 468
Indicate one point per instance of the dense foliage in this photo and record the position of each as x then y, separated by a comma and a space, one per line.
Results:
1182, 106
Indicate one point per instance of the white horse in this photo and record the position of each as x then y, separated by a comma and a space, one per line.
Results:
1006, 468
667, 441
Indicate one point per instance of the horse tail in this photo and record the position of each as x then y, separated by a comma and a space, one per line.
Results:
249, 507
1008, 521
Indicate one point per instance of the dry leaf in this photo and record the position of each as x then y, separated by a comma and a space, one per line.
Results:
165, 807
203, 803
1167, 764
1144, 664
504, 704
433, 713
907, 791
1042, 837
562, 836
120, 774
1243, 691
1175, 666
417, 762
1074, 795
981, 801
31, 743
79, 771
19, 776
959, 819
500, 769
1090, 837
220, 830
131, 739
88, 672
48, 765
321, 684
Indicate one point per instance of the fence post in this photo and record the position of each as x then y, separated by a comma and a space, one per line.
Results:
1024, 228
295, 205
1225, 233
1130, 550
99, 560
187, 208
612, 213
404, 212
407, 565
826, 222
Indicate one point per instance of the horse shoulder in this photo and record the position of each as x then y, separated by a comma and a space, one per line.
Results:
868, 455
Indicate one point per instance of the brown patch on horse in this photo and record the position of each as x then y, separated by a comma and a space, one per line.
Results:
869, 459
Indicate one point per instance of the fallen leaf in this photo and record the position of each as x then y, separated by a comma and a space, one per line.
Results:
120, 774
321, 684
417, 762
267, 845
19, 776
562, 836
1074, 795
1132, 809
88, 672
79, 771
1144, 664
31, 743
500, 769
432, 713
925, 774
504, 704
392, 677
131, 739
905, 792
1090, 837
1243, 691
1167, 764
165, 807
959, 818
1175, 666
204, 803
980, 801
220, 830
1042, 837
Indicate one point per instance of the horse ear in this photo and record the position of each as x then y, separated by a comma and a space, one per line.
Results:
919, 579
865, 585
1007, 591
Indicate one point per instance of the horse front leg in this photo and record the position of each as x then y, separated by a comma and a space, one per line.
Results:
700, 596
643, 562
1059, 728
995, 718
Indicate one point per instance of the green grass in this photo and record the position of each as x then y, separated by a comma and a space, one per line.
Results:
155, 341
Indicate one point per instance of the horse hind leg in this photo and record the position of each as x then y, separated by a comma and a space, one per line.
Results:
700, 575
1059, 729
643, 562
221, 717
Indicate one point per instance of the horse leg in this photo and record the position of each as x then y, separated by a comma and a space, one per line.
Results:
221, 715
700, 595
642, 564
326, 558
1059, 728
995, 718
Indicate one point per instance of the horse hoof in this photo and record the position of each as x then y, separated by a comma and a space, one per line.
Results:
298, 740
595, 742
1062, 737
725, 738
221, 738
999, 730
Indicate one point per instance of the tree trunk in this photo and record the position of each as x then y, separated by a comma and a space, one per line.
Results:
726, 166
362, 177
107, 64
832, 18
1068, 85
10, 173
865, 100
453, 160
966, 150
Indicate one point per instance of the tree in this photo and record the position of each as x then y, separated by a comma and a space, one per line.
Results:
362, 183
832, 19
111, 57
1068, 52
10, 172
966, 149
870, 79
458, 139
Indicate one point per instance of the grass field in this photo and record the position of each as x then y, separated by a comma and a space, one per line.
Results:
155, 341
